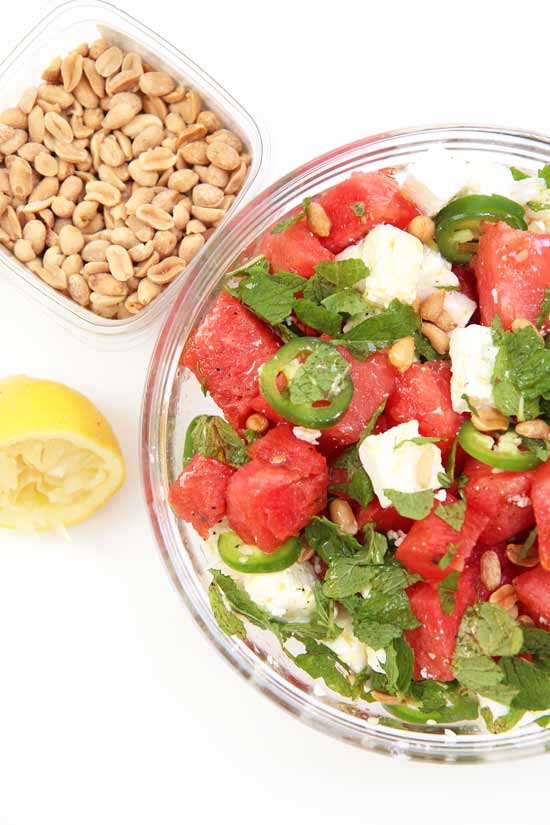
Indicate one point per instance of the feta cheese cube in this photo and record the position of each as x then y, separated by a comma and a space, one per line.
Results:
488, 179
473, 356
287, 594
529, 189
394, 259
434, 180
393, 461
435, 273
460, 307
354, 653
307, 434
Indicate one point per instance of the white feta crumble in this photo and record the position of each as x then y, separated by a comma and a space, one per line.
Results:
529, 189
287, 594
488, 179
435, 274
347, 646
434, 180
460, 307
441, 495
397, 536
307, 434
520, 501
393, 461
473, 356
394, 258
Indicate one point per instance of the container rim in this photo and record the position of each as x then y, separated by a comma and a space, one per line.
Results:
266, 208
250, 129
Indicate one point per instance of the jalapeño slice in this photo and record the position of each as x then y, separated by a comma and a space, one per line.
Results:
503, 453
247, 558
307, 381
458, 225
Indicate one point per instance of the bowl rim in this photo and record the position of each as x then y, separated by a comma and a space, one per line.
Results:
155, 433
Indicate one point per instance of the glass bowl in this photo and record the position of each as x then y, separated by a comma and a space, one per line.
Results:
63, 28
173, 397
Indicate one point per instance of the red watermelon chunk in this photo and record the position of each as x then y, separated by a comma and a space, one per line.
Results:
435, 640
375, 194
512, 269
225, 354
503, 497
277, 493
373, 382
296, 249
540, 494
428, 540
423, 393
198, 494
533, 590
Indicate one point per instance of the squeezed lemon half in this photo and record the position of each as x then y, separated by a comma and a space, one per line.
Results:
59, 458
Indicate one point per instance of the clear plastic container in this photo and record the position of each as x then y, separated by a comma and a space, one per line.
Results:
173, 397
62, 29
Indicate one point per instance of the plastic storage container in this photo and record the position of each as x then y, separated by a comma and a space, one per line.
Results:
173, 398
62, 29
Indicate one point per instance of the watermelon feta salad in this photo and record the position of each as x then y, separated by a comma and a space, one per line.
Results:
376, 489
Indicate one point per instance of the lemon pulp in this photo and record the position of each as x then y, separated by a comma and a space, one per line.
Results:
59, 459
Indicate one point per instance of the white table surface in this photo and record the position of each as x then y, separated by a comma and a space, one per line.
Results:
113, 708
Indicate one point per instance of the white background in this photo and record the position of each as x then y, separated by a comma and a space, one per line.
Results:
113, 708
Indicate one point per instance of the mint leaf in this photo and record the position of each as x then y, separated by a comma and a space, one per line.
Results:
346, 576
357, 484
358, 208
266, 297
213, 437
424, 349
317, 317
446, 590
486, 631
517, 174
286, 223
240, 601
399, 666
378, 331
532, 684
526, 361
544, 173
347, 301
412, 505
443, 702
528, 544
544, 312
325, 611
536, 641
295, 282
257, 266
226, 620
452, 514
374, 634
419, 439
449, 555
320, 662
328, 541
501, 724
320, 377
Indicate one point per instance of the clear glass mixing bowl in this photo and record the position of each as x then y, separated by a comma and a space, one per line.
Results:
173, 397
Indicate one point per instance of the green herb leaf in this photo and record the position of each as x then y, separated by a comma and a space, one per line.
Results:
286, 223
536, 641
419, 439
543, 721
227, 621
446, 590
449, 555
538, 206
266, 297
317, 317
489, 630
215, 438
544, 173
442, 702
320, 377
346, 576
357, 484
531, 683
399, 666
412, 505
358, 208
423, 348
328, 541
320, 662
517, 174
544, 312
347, 301
378, 331
452, 514
527, 544
501, 724
524, 360
295, 282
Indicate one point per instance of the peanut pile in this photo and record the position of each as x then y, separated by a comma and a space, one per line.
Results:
112, 177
